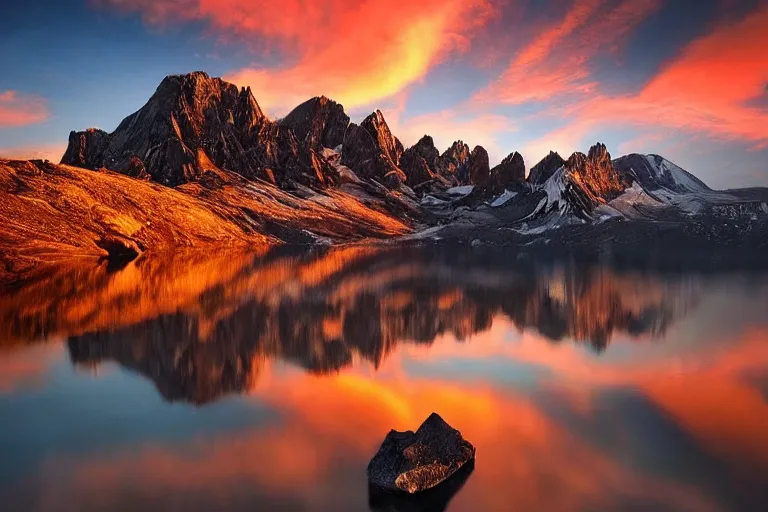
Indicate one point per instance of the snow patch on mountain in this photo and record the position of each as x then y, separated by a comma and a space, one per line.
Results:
554, 187
503, 199
460, 191
667, 172
631, 202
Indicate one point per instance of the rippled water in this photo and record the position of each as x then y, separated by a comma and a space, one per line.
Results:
267, 381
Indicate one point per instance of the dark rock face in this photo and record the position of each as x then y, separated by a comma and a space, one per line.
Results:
414, 462
511, 171
318, 122
136, 169
368, 150
376, 125
420, 162
85, 148
479, 166
454, 162
195, 112
544, 170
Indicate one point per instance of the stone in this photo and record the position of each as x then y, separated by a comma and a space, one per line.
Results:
137, 169
414, 462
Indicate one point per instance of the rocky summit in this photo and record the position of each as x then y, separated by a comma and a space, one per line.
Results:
415, 462
200, 164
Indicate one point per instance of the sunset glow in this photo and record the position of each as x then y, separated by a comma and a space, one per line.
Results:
652, 76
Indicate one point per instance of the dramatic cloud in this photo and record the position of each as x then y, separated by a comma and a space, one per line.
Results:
354, 52
713, 87
20, 110
558, 61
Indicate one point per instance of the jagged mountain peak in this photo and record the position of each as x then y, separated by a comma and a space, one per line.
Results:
421, 162
514, 157
191, 113
596, 173
479, 166
599, 152
655, 173
543, 170
510, 171
319, 122
377, 126
426, 140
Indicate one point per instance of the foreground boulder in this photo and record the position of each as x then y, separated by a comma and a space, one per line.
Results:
414, 462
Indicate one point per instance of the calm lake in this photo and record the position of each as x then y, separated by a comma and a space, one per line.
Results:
267, 381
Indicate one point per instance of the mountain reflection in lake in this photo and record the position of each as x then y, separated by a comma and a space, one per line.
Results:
267, 381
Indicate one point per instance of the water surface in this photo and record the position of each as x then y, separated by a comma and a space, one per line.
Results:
267, 381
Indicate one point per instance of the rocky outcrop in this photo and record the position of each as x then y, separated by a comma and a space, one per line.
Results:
377, 127
136, 169
195, 112
319, 123
596, 173
454, 163
510, 172
85, 149
420, 162
415, 462
479, 166
544, 170
372, 152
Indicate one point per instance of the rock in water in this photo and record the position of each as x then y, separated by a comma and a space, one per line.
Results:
414, 462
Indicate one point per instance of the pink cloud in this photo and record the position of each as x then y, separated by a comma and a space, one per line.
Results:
20, 110
557, 61
708, 88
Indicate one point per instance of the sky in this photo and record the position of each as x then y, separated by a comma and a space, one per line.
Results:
681, 78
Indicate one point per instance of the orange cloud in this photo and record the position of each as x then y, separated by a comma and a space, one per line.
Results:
557, 61
21, 110
354, 52
710, 87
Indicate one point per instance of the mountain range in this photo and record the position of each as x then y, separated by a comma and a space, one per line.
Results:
201, 164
